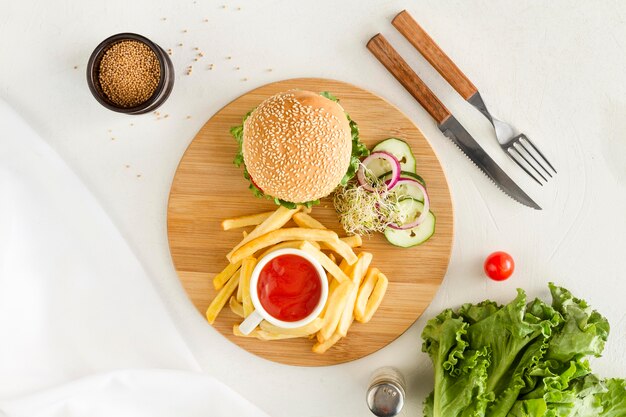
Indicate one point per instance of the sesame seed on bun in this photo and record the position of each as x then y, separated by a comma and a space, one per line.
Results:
297, 146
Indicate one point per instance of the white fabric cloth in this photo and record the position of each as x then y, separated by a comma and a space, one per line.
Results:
134, 393
74, 301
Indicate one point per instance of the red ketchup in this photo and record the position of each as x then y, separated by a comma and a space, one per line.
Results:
289, 287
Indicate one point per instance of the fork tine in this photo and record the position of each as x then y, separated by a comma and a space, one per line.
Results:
539, 152
521, 144
526, 160
522, 166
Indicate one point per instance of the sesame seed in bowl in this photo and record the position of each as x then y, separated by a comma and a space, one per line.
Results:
130, 74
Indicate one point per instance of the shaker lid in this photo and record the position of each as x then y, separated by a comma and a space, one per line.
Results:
385, 399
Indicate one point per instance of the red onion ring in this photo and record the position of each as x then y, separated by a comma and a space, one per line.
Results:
395, 170
424, 212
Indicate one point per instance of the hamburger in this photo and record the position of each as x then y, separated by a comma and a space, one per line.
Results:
296, 147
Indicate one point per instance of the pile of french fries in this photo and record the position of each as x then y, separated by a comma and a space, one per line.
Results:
355, 289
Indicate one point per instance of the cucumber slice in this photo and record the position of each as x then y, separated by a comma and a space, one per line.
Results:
401, 150
406, 190
417, 235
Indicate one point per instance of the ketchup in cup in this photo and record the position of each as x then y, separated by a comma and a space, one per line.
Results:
289, 288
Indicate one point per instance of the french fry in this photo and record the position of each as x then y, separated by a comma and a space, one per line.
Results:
332, 258
239, 295
247, 266
281, 235
341, 248
305, 330
332, 286
304, 220
221, 278
332, 268
356, 275
364, 293
243, 221
335, 306
322, 347
235, 307
290, 244
221, 298
275, 221
355, 291
262, 334
376, 298
353, 241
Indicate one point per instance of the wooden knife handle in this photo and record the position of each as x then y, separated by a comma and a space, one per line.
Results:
398, 67
414, 33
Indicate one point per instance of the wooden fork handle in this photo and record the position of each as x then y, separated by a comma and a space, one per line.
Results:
418, 37
398, 67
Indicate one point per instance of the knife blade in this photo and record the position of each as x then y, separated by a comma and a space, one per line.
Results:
454, 131
446, 122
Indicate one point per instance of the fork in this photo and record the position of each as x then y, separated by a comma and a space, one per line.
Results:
517, 146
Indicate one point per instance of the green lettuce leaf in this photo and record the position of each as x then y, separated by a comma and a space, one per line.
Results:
529, 408
584, 332
520, 360
460, 372
614, 399
506, 333
359, 150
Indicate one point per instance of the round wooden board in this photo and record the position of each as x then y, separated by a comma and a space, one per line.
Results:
208, 188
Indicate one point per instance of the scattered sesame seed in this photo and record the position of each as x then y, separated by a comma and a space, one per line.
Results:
166, 116
245, 79
127, 166
206, 20
180, 44
238, 8
269, 70
188, 117
237, 68
223, 6
138, 175
184, 30
229, 57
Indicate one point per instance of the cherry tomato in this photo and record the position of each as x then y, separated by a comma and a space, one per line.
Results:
499, 266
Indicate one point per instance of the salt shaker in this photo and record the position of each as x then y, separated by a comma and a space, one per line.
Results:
385, 395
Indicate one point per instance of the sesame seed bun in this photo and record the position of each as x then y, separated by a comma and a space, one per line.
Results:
297, 146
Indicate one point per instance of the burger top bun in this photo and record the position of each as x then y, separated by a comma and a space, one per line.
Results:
297, 146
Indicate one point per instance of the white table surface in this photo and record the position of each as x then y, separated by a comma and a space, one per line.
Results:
554, 69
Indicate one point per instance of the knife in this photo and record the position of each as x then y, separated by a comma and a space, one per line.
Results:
447, 123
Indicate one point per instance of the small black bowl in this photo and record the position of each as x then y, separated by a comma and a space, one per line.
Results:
163, 90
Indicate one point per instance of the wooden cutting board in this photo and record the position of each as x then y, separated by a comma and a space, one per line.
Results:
207, 188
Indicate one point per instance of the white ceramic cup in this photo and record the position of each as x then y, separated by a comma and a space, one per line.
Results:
259, 314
